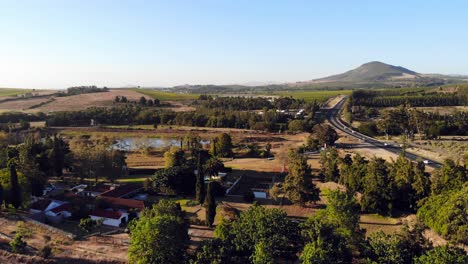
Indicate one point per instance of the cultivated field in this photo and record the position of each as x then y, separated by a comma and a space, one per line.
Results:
13, 91
165, 96
83, 101
309, 96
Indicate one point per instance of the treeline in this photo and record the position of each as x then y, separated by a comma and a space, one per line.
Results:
404, 186
240, 103
203, 117
408, 121
389, 99
24, 168
386, 188
267, 235
83, 90
142, 101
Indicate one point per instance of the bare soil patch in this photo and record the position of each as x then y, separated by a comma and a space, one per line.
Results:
83, 101
22, 104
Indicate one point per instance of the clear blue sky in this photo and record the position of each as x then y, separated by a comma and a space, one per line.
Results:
57, 44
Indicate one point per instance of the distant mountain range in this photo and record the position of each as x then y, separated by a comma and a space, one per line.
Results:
373, 74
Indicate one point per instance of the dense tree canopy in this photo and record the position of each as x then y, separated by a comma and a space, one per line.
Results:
159, 236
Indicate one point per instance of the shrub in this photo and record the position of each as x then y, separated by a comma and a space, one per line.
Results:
18, 244
45, 252
87, 224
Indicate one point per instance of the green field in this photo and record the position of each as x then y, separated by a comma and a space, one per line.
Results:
165, 96
13, 91
309, 96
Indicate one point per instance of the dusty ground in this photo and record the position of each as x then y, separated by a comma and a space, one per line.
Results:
83, 101
21, 105
80, 102
111, 248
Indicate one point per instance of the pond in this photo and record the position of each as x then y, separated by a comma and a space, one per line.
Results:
135, 143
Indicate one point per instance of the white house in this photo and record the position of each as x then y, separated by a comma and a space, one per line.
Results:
110, 217
53, 210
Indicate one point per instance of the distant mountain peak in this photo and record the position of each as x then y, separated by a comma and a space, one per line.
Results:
372, 71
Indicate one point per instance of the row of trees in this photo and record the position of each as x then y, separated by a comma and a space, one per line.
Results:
404, 186
408, 121
134, 114
142, 101
385, 99
386, 188
264, 235
85, 89
240, 103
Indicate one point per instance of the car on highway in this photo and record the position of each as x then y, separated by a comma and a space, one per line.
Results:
426, 161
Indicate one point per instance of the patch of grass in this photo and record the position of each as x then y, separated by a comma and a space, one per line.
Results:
147, 127
133, 178
166, 96
309, 96
13, 91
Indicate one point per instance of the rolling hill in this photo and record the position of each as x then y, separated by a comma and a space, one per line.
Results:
372, 71
377, 74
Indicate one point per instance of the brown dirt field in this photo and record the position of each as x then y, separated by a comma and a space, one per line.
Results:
178, 106
21, 105
137, 160
83, 101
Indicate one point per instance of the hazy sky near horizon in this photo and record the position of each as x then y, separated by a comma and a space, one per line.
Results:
63, 43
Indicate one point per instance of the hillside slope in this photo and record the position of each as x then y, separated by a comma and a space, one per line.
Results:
372, 71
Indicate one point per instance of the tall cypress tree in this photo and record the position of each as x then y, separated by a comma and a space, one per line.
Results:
200, 184
210, 204
15, 193
1, 196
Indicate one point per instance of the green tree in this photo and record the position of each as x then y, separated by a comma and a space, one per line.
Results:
258, 224
443, 255
18, 244
403, 174
174, 157
159, 236
15, 192
377, 195
200, 183
324, 243
352, 175
262, 254
399, 247
174, 180
296, 125
1, 196
325, 134
87, 224
343, 209
446, 213
223, 146
210, 204
298, 186
142, 100
449, 177
329, 161
213, 166
212, 251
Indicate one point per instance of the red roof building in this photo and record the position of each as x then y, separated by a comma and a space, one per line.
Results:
106, 214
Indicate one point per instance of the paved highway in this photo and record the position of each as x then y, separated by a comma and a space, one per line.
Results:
333, 116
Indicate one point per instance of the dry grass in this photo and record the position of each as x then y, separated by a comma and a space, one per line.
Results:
21, 104
83, 101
